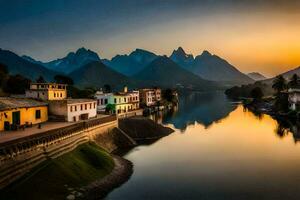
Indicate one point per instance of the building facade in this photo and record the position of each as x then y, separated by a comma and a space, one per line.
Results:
294, 98
103, 100
150, 97
73, 110
19, 112
47, 91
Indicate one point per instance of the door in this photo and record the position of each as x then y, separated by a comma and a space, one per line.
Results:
16, 118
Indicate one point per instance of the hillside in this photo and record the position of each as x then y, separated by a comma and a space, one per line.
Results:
166, 73
18, 65
70, 62
97, 74
256, 76
132, 63
210, 67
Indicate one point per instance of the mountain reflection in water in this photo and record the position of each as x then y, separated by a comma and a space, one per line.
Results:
203, 108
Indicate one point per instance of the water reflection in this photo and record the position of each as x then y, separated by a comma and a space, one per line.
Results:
203, 108
241, 157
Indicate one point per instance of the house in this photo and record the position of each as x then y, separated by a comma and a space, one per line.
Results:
150, 97
294, 98
125, 101
47, 91
18, 112
73, 110
103, 100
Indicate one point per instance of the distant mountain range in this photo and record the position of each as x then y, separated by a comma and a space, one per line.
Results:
132, 63
19, 65
70, 62
210, 67
256, 76
163, 71
139, 68
96, 74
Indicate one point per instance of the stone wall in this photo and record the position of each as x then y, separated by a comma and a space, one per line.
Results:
20, 156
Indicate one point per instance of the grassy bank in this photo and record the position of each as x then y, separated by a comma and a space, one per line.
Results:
55, 179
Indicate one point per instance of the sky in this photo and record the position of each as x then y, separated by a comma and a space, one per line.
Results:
255, 35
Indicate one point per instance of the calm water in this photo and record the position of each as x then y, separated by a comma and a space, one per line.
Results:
218, 151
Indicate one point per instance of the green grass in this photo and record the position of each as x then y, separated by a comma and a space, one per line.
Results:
85, 164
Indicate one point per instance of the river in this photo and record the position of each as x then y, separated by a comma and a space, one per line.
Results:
219, 150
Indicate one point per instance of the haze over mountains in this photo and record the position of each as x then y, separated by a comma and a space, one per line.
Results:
256, 76
205, 71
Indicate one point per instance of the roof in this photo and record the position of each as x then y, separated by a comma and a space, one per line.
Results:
72, 101
7, 103
48, 84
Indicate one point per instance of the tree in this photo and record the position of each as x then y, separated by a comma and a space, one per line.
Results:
16, 84
279, 84
110, 108
40, 79
294, 81
169, 95
3, 73
257, 94
62, 79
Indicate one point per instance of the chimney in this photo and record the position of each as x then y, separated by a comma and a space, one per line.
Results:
125, 89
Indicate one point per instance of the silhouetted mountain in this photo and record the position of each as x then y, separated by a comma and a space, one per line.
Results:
256, 76
181, 58
166, 73
97, 74
18, 65
210, 67
71, 62
132, 63
287, 75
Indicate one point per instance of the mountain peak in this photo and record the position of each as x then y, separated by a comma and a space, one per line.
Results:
206, 53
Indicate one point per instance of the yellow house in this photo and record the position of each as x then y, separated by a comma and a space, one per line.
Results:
47, 91
16, 112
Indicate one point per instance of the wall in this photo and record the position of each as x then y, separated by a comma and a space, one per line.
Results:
57, 94
58, 108
91, 111
20, 156
26, 115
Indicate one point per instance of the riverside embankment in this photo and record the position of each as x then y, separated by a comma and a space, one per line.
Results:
30, 155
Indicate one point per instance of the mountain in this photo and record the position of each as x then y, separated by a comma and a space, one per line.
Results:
210, 67
71, 62
256, 76
287, 75
19, 65
181, 58
166, 73
97, 74
132, 63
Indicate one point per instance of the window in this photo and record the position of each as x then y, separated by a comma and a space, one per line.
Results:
38, 114
85, 106
81, 107
98, 102
60, 94
105, 101
94, 105
101, 101
54, 94
90, 105
125, 99
115, 100
71, 108
75, 108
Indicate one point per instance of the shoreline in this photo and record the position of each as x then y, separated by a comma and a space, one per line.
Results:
121, 173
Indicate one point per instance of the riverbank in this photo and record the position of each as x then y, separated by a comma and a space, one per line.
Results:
90, 171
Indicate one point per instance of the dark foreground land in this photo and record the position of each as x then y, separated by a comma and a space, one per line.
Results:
89, 171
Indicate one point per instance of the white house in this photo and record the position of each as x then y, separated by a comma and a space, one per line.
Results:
73, 110
102, 100
294, 98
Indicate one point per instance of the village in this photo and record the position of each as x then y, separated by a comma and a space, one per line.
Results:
46, 104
